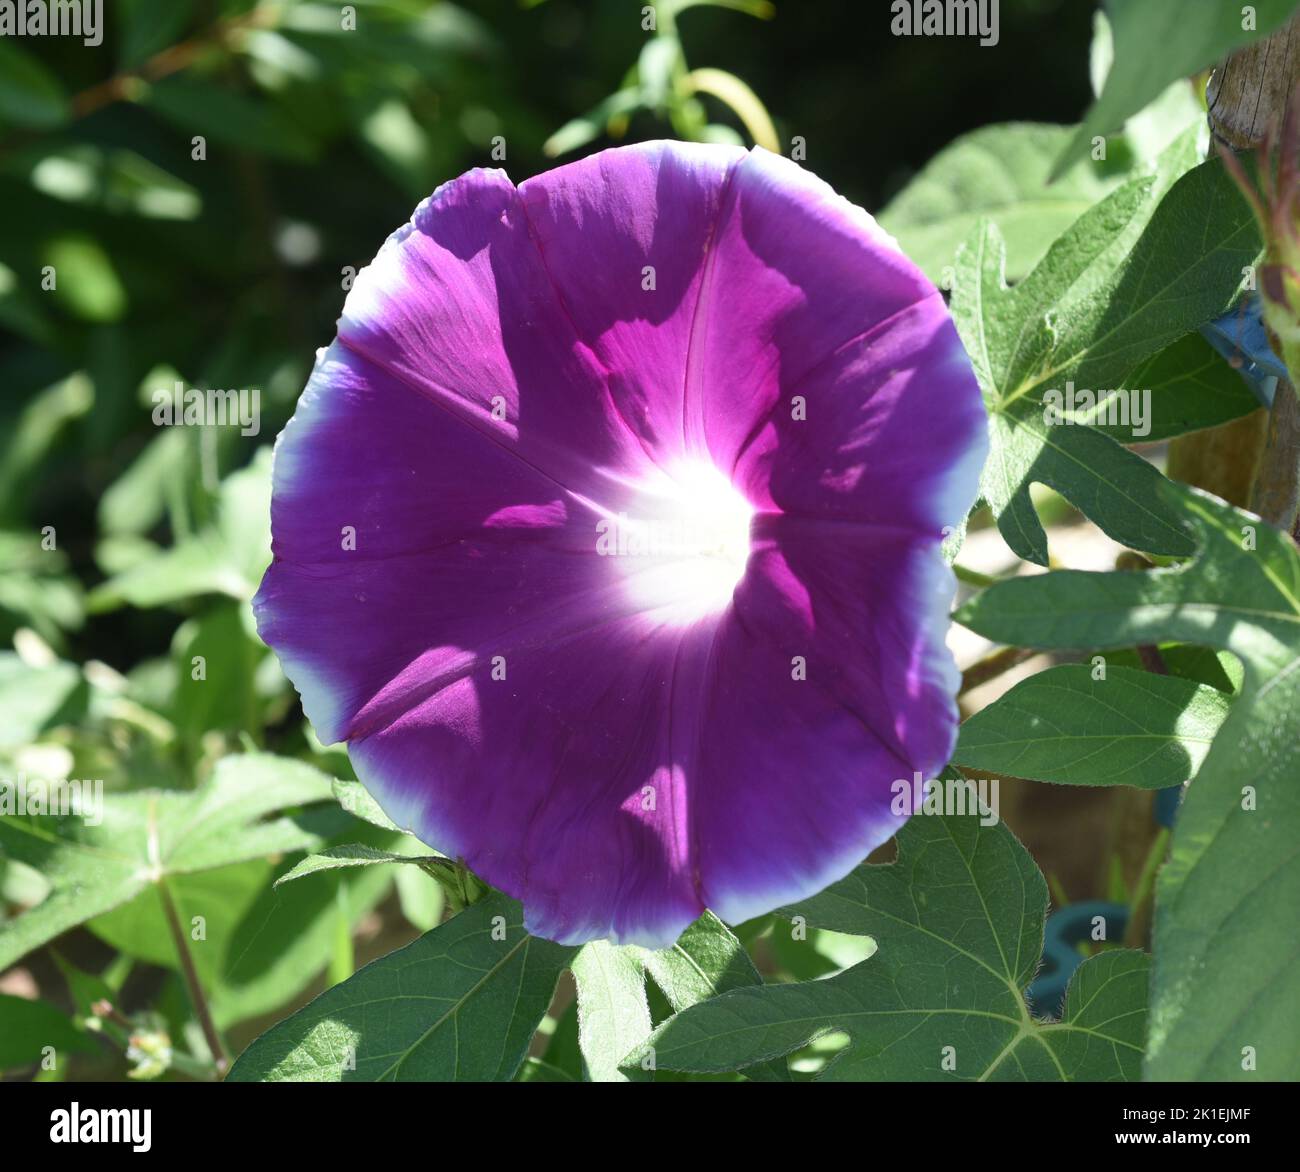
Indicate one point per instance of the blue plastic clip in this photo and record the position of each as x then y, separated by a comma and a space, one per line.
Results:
1239, 335
1066, 929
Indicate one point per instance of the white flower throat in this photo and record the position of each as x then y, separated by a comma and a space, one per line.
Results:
683, 546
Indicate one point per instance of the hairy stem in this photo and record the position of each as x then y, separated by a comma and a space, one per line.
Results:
192, 983
1139, 906
993, 665
973, 577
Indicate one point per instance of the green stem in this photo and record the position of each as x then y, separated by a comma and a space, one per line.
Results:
343, 957
992, 666
740, 99
1137, 913
973, 577
192, 983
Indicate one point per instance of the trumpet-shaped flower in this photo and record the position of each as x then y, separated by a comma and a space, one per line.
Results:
607, 532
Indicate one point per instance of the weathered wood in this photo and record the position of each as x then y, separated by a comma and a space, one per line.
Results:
1247, 462
1276, 495
1250, 90
1222, 459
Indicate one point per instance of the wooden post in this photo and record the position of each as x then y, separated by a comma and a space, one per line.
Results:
1255, 461
1249, 91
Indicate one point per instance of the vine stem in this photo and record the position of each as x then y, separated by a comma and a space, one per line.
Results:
1137, 918
993, 665
173, 59
973, 577
192, 983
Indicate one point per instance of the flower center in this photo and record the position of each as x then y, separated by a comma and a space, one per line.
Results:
683, 545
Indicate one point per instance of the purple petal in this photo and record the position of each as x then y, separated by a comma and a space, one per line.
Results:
708, 344
805, 740
629, 236
459, 306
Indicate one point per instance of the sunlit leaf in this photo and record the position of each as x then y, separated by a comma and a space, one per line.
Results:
1130, 277
998, 173
1125, 728
460, 1003
145, 837
959, 923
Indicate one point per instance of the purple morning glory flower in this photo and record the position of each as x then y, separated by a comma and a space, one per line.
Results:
607, 533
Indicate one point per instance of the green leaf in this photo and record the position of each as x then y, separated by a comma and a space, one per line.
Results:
1191, 387
1204, 665
260, 947
1148, 133
137, 499
147, 836
85, 988
224, 821
805, 954
28, 1027
462, 1003
1132, 276
1129, 728
1227, 896
356, 854
399, 143
216, 655
357, 801
227, 557
561, 1042
114, 180
19, 310
535, 1070
1156, 43
88, 283
149, 26
228, 116
45, 419
999, 173
30, 95
220, 897
658, 64
580, 131
613, 1014
34, 699
421, 896
708, 960
959, 922
285, 939
35, 590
